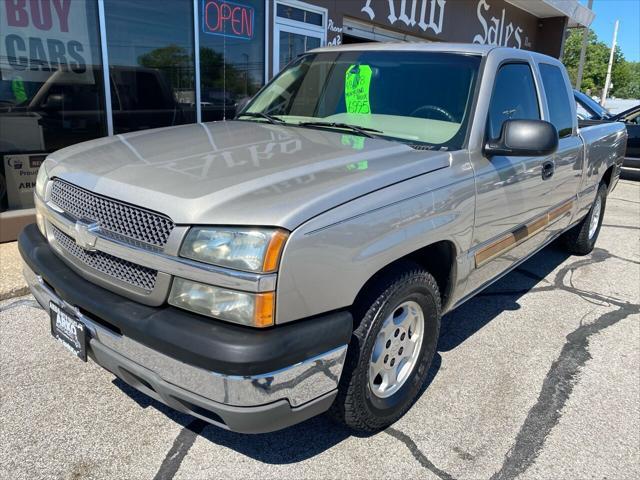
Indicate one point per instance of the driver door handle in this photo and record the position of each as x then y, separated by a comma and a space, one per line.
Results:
548, 168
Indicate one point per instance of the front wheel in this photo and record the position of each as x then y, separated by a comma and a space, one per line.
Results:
391, 350
581, 239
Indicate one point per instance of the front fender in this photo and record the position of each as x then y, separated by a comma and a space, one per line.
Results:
328, 259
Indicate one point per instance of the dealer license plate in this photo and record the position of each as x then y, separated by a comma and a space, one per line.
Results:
72, 333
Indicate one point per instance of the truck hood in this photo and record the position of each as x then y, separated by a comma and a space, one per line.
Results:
239, 172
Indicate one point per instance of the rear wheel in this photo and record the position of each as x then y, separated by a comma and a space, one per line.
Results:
391, 350
581, 239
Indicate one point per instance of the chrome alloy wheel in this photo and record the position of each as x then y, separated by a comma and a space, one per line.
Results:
595, 217
396, 350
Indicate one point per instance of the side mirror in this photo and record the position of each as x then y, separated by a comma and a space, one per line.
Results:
55, 101
524, 138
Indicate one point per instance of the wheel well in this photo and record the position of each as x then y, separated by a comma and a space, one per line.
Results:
438, 259
606, 178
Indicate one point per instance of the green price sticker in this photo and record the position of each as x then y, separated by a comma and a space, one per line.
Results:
357, 82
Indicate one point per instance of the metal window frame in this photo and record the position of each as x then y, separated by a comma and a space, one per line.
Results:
267, 24
106, 77
294, 26
196, 59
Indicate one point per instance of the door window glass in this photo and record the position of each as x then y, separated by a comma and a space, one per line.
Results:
514, 97
295, 44
297, 30
151, 63
231, 55
557, 99
51, 90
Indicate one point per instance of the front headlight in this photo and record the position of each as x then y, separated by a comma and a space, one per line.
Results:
247, 249
252, 309
41, 181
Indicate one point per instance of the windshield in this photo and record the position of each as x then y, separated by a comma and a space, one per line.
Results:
414, 97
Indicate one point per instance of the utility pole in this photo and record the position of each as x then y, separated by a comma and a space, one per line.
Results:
608, 80
583, 50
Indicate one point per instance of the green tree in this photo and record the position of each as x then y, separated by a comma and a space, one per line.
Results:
216, 74
595, 67
632, 88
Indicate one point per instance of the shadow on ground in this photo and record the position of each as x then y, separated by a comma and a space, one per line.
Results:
316, 435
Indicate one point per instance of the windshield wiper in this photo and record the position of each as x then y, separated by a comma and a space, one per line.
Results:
364, 131
266, 116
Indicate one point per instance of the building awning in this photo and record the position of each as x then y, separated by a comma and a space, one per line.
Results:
578, 14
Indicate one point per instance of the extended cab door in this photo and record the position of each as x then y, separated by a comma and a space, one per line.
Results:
562, 186
511, 191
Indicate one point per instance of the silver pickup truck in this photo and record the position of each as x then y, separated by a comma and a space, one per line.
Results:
298, 259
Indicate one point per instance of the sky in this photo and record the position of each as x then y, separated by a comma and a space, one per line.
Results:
628, 12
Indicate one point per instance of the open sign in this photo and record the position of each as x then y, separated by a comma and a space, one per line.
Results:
228, 19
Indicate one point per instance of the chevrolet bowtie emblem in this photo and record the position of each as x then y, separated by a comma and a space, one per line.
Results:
86, 234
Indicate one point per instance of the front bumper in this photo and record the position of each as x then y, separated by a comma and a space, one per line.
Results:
255, 381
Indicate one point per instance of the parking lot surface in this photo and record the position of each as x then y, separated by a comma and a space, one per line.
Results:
538, 377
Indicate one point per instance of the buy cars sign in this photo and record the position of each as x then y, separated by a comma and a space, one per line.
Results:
41, 36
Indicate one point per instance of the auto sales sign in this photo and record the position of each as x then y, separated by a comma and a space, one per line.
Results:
41, 36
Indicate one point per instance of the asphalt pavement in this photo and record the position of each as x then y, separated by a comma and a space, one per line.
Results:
537, 377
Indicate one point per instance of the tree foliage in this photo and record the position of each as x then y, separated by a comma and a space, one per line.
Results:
624, 75
174, 61
217, 75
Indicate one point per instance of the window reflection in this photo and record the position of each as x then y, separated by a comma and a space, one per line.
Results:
231, 55
51, 90
151, 58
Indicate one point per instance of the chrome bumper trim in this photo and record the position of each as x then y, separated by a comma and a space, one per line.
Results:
161, 261
299, 383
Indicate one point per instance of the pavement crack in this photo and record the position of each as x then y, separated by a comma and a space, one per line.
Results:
556, 389
179, 449
417, 453
563, 374
625, 227
20, 303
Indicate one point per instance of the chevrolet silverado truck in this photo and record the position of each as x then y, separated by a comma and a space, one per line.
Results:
298, 259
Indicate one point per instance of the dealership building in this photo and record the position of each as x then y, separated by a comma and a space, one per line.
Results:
75, 70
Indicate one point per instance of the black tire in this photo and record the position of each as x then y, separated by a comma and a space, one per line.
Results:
356, 406
577, 240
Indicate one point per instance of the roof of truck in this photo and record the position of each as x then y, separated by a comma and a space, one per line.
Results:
468, 48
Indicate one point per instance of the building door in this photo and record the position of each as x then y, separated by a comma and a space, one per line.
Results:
299, 27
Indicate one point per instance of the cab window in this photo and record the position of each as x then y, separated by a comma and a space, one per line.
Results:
557, 99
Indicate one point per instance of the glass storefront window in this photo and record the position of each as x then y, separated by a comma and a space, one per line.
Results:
51, 90
232, 59
151, 63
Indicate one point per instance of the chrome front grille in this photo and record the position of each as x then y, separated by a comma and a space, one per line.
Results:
113, 216
122, 270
